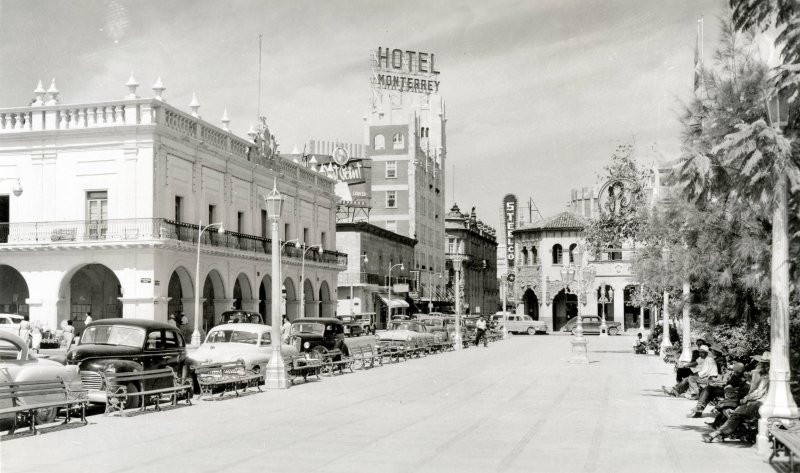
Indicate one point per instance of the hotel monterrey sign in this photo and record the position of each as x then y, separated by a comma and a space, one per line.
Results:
405, 71
510, 221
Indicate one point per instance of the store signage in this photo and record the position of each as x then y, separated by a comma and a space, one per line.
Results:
145, 280
400, 287
406, 71
510, 220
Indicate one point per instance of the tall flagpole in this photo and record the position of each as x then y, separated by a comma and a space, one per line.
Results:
258, 117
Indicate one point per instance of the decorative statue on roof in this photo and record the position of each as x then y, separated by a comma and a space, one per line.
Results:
265, 144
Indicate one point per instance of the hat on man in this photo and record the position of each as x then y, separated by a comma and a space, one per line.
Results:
704, 348
738, 368
762, 358
718, 348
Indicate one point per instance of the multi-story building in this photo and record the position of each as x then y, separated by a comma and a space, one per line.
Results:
113, 196
472, 246
406, 140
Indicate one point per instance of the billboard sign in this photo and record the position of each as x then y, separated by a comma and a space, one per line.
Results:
405, 71
510, 222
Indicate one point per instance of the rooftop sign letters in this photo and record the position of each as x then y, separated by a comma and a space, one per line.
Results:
510, 221
405, 71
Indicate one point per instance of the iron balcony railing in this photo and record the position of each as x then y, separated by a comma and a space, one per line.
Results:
148, 229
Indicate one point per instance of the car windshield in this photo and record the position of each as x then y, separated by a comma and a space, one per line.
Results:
433, 322
113, 335
406, 325
307, 327
232, 336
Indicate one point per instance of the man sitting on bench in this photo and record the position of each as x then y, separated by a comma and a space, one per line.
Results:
703, 369
733, 379
749, 404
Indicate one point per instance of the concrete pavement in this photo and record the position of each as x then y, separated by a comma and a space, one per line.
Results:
515, 406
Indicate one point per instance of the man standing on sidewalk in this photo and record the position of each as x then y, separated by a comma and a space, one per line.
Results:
480, 329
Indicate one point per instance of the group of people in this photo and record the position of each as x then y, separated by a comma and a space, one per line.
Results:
736, 392
34, 332
180, 320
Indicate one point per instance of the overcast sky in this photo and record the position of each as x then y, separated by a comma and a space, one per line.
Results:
539, 93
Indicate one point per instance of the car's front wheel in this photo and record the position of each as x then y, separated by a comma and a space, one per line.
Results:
613, 331
318, 352
132, 402
531, 331
575, 331
45, 415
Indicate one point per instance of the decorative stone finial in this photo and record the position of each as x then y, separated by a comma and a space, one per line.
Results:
251, 132
313, 161
52, 93
132, 84
225, 120
194, 105
39, 94
158, 89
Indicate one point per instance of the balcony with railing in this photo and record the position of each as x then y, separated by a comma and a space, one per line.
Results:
126, 231
359, 279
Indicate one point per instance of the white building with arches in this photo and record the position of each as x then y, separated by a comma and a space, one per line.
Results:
112, 196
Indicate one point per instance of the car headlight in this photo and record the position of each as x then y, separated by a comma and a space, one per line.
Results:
306, 345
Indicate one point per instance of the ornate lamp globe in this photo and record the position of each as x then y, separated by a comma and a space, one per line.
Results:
274, 202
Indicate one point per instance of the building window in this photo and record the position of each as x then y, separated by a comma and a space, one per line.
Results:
534, 255
558, 257
240, 222
212, 213
391, 225
263, 223
305, 236
96, 214
379, 142
391, 199
391, 169
524, 256
572, 248
323, 240
398, 142
286, 232
178, 208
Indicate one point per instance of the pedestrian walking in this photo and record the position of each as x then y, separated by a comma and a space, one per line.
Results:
68, 335
171, 320
480, 332
25, 332
88, 319
36, 336
285, 329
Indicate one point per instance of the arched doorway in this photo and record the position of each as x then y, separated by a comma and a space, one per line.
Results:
13, 291
290, 305
565, 307
531, 303
212, 289
325, 304
241, 291
309, 307
632, 314
265, 299
179, 288
94, 288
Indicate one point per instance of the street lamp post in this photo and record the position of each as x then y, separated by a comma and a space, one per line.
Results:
389, 305
200, 229
585, 280
606, 297
779, 401
276, 373
504, 288
458, 260
430, 289
303, 278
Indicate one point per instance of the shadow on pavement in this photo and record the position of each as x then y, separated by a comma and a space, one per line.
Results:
23, 431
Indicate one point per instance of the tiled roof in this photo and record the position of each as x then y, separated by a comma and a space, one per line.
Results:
562, 221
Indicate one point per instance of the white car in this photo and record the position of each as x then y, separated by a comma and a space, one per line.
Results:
520, 323
251, 343
19, 364
10, 323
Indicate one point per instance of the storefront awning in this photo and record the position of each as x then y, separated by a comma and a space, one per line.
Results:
395, 303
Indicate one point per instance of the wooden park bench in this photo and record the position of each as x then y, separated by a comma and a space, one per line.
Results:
22, 395
117, 391
785, 436
335, 359
229, 376
298, 366
363, 351
393, 350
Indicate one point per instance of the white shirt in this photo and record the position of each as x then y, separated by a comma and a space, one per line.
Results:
480, 324
707, 367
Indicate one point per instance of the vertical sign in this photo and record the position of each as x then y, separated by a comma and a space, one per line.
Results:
510, 220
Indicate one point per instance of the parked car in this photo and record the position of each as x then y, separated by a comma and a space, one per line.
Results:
591, 324
251, 343
440, 326
520, 323
404, 330
317, 335
17, 363
126, 345
10, 323
241, 317
357, 324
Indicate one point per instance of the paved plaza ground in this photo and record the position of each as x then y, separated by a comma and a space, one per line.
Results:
517, 406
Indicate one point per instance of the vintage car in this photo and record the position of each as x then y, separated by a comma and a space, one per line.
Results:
10, 323
591, 324
126, 345
317, 335
519, 323
357, 324
19, 364
441, 327
251, 343
404, 330
241, 316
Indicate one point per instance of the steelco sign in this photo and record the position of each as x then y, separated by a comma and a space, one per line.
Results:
406, 71
510, 220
